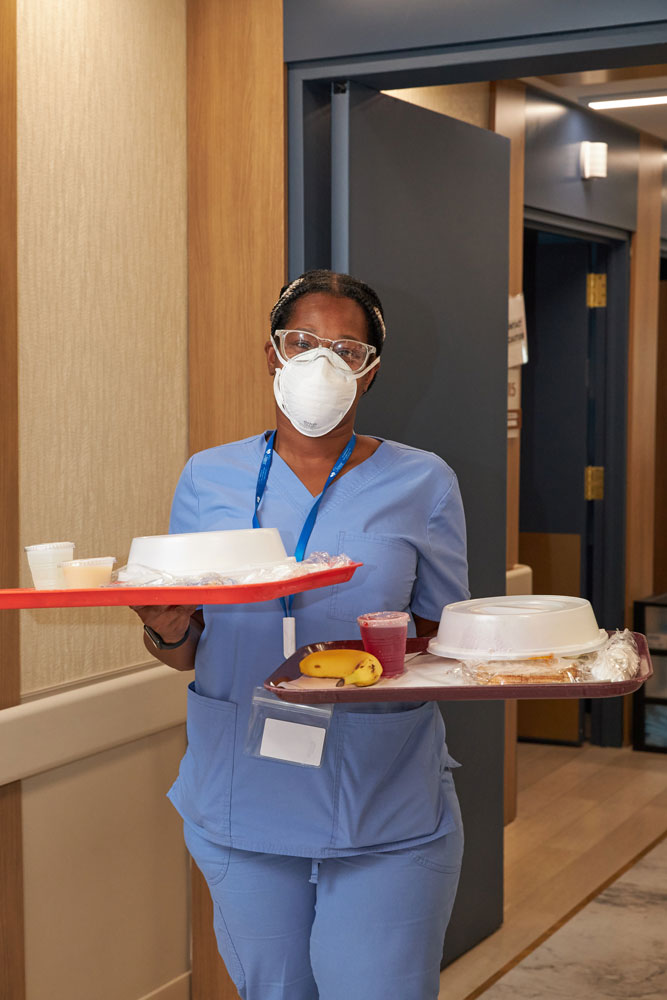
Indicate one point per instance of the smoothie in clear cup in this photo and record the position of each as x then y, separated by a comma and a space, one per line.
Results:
384, 634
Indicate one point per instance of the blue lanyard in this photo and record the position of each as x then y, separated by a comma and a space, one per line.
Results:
309, 524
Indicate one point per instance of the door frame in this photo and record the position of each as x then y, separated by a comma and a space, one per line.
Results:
504, 59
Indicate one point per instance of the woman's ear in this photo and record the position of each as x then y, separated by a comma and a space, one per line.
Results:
370, 378
271, 358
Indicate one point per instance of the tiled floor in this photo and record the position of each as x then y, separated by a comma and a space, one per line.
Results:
615, 948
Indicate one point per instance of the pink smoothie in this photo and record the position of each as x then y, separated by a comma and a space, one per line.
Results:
384, 634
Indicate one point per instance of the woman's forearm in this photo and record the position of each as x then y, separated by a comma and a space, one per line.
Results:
182, 658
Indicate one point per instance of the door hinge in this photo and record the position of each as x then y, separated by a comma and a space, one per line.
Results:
596, 291
594, 482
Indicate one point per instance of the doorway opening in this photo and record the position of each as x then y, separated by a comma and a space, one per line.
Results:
572, 484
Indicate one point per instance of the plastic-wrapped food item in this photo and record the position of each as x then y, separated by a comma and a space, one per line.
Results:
542, 670
135, 575
315, 563
617, 660
428, 669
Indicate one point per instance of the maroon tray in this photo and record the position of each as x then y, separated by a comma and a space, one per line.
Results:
385, 691
113, 597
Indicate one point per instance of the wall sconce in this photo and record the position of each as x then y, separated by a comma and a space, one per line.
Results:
593, 159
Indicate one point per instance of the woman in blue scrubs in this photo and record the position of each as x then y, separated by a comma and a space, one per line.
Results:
331, 875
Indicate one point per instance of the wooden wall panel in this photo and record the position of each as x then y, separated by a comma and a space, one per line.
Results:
660, 542
642, 380
12, 947
236, 266
236, 212
106, 874
9, 498
555, 560
12, 962
102, 270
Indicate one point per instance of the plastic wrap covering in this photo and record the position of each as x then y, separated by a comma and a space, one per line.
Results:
617, 660
135, 575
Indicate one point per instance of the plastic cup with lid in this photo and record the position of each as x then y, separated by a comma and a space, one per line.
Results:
84, 573
384, 635
45, 563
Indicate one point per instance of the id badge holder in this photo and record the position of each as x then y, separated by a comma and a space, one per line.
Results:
278, 730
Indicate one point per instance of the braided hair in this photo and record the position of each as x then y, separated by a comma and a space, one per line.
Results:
342, 286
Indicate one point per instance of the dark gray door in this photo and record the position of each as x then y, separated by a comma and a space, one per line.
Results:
420, 212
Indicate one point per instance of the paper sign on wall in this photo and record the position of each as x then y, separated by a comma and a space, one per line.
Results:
517, 340
513, 401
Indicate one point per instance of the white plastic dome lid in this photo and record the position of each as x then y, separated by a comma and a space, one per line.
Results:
518, 627
199, 552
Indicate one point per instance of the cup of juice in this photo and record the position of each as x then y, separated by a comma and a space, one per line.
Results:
384, 634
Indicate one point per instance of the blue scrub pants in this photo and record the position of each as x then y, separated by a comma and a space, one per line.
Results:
365, 927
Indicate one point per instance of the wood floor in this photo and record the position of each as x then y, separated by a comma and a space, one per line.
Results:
584, 815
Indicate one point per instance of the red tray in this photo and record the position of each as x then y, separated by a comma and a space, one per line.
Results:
111, 597
386, 690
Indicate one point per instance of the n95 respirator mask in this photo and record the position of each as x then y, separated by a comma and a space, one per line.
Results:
315, 390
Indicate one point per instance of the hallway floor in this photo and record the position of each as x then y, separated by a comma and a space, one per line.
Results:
585, 814
612, 949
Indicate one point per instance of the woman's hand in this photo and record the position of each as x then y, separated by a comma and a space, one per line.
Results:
425, 628
169, 621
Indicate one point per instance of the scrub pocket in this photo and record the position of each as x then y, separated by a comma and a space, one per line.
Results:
204, 788
446, 853
284, 731
211, 859
385, 580
390, 776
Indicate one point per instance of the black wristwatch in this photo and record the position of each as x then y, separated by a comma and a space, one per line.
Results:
158, 641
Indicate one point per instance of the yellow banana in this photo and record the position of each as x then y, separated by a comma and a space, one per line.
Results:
352, 666
365, 674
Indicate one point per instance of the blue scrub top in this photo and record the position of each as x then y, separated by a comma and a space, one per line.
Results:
380, 783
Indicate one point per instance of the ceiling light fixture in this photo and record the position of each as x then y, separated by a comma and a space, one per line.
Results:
627, 102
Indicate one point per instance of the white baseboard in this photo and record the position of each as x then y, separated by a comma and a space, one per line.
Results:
177, 989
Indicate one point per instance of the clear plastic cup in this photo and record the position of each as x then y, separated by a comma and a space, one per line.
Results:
384, 634
83, 573
44, 561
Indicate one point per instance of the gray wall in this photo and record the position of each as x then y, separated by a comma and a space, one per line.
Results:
321, 29
552, 176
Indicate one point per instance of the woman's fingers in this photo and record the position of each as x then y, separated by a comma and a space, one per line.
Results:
169, 621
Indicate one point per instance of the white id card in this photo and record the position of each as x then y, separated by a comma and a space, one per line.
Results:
282, 731
293, 742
